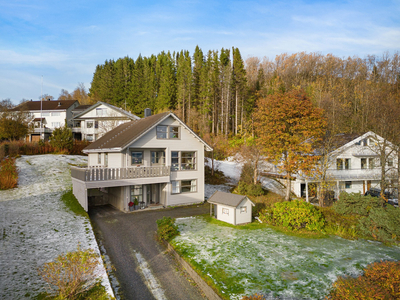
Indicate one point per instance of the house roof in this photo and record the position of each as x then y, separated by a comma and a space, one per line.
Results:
81, 108
120, 110
45, 105
227, 199
122, 136
342, 139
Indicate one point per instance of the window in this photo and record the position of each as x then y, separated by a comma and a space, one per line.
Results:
339, 164
184, 186
347, 165
225, 211
162, 132
347, 184
106, 159
183, 160
371, 163
243, 209
173, 132
55, 124
101, 111
168, 132
158, 158
45, 114
136, 193
55, 114
363, 163
99, 158
389, 162
89, 137
364, 142
96, 124
137, 158
89, 124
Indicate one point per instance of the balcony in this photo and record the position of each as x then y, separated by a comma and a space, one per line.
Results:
106, 177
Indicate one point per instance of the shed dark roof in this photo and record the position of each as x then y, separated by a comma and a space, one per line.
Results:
126, 133
46, 105
226, 199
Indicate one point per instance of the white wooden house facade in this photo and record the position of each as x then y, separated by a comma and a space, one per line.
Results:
157, 160
355, 167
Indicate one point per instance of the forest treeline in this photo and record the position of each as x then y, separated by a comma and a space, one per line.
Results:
216, 92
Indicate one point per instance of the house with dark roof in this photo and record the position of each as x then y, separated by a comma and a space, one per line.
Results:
89, 122
231, 208
355, 165
46, 116
154, 162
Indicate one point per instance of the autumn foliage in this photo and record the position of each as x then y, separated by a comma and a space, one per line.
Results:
381, 280
8, 174
288, 127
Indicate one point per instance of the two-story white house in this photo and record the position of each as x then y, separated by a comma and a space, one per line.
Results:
157, 160
354, 165
94, 121
46, 116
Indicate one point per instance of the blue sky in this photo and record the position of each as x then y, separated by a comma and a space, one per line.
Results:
65, 40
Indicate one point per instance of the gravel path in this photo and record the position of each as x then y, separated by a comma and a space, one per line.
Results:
142, 268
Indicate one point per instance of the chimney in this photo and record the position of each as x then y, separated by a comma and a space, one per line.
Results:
147, 112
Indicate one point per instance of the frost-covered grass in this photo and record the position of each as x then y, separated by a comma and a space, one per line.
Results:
36, 226
242, 262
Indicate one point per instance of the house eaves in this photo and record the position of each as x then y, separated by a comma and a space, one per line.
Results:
94, 106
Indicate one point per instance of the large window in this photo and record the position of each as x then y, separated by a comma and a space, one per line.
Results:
343, 164
55, 124
137, 158
183, 160
168, 132
136, 193
158, 158
363, 163
184, 186
347, 184
55, 114
89, 124
371, 163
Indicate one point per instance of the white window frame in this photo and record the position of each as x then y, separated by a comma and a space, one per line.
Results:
55, 114
106, 159
134, 151
157, 158
165, 132
55, 124
89, 124
225, 211
102, 111
243, 209
99, 158
348, 184
179, 185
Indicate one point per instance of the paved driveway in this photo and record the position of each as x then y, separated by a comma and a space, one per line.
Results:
143, 269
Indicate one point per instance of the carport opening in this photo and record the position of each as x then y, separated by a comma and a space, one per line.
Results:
97, 197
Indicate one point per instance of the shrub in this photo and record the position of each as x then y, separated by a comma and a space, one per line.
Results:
72, 274
294, 215
62, 139
382, 224
217, 178
341, 225
166, 228
250, 189
381, 280
8, 174
356, 204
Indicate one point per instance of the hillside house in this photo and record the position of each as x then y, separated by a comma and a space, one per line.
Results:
157, 160
355, 165
93, 121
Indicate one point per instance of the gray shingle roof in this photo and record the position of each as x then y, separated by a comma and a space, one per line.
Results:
226, 199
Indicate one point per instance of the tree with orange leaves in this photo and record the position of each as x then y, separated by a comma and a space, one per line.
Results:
288, 128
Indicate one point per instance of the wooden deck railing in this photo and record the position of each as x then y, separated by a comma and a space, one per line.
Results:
101, 174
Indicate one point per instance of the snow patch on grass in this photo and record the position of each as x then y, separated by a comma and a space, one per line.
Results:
243, 262
35, 225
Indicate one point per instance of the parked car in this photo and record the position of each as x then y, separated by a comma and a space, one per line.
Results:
375, 192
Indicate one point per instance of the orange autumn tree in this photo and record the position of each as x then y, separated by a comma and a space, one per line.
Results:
288, 128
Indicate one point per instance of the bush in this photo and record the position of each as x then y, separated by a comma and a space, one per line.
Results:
73, 274
217, 178
250, 189
62, 139
381, 280
382, 224
341, 225
356, 204
294, 215
8, 174
166, 228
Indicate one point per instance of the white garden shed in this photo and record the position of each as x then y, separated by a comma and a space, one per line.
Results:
231, 208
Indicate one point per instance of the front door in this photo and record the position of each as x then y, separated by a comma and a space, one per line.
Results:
153, 193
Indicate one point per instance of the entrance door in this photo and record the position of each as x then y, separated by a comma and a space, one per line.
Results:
154, 193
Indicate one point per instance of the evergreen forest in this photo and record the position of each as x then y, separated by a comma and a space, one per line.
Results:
216, 92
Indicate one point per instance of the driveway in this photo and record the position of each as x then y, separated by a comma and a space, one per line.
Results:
142, 268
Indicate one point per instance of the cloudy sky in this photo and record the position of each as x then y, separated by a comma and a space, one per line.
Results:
63, 41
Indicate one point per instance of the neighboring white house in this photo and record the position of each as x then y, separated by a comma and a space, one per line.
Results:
158, 160
46, 116
92, 122
231, 208
354, 166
